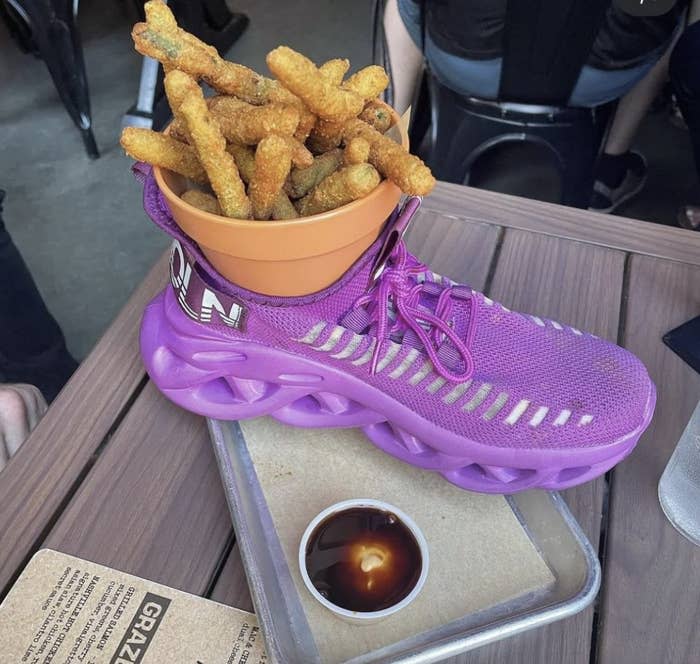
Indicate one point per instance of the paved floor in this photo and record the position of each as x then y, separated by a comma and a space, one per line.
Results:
79, 223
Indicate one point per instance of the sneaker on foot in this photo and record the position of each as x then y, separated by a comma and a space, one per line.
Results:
434, 372
618, 179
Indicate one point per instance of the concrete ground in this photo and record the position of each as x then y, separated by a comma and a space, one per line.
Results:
80, 224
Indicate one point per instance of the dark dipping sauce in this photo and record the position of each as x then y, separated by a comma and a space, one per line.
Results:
363, 559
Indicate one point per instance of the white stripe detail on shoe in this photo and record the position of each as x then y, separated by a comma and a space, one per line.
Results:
517, 412
585, 420
390, 354
436, 385
188, 308
539, 415
562, 418
480, 395
313, 333
496, 406
538, 320
575, 331
421, 373
405, 363
351, 347
333, 340
366, 356
457, 392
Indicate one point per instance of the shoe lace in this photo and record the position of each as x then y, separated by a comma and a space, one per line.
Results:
393, 304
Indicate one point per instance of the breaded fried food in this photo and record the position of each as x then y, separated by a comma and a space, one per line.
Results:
306, 124
356, 150
210, 145
298, 74
175, 48
325, 136
241, 122
334, 70
248, 125
158, 15
163, 151
407, 171
273, 161
301, 157
302, 180
340, 188
227, 103
178, 130
202, 200
245, 160
175, 90
278, 93
162, 39
369, 82
377, 114
283, 208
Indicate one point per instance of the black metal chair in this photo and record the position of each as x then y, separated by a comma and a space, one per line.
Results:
545, 46
48, 29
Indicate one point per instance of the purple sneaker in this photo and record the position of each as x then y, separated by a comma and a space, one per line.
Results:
435, 373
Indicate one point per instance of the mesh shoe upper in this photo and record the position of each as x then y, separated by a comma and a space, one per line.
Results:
532, 383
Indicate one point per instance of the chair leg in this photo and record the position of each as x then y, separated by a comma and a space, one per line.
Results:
89, 143
55, 34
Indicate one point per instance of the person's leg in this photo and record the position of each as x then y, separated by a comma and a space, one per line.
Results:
32, 348
684, 70
621, 173
402, 25
405, 56
634, 106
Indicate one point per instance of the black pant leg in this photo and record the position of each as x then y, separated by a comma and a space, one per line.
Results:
32, 347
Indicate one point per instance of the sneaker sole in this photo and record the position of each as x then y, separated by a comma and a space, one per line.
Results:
231, 379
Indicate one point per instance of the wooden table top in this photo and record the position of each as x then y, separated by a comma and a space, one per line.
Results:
116, 474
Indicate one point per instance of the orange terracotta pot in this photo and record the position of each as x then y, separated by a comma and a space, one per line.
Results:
293, 257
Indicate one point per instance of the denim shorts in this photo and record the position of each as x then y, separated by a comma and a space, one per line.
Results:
481, 78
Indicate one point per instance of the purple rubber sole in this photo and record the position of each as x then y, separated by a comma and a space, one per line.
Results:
223, 378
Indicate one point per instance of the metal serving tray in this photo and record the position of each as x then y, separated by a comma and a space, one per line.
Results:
288, 638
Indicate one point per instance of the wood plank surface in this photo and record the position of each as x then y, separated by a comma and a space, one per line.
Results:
153, 505
232, 587
650, 605
579, 284
452, 248
607, 230
40, 477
